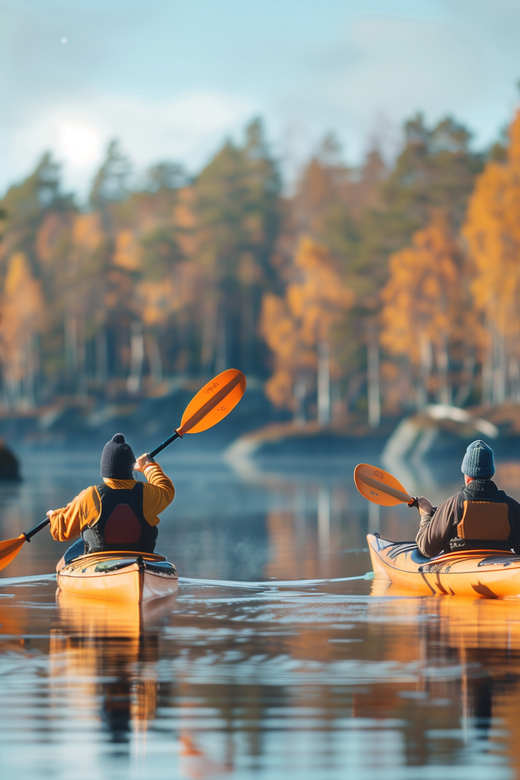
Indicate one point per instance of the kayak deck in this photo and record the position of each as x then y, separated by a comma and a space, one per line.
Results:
118, 576
473, 573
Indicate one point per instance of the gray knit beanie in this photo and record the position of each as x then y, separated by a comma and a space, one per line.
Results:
117, 460
479, 462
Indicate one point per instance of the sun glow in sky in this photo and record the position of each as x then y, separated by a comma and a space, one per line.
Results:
80, 144
171, 80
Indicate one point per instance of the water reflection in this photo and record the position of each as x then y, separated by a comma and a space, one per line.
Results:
113, 649
468, 655
276, 657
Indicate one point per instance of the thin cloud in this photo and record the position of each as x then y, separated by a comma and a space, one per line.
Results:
186, 128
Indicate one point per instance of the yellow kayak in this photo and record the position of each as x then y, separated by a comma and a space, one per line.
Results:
475, 573
118, 576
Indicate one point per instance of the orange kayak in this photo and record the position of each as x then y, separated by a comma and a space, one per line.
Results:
118, 576
475, 573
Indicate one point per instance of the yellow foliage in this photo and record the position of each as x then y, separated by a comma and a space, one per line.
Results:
157, 300
127, 253
22, 311
87, 231
514, 140
424, 299
50, 232
279, 388
492, 232
185, 218
294, 326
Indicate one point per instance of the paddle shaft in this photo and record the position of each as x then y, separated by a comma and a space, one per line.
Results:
36, 528
388, 490
165, 443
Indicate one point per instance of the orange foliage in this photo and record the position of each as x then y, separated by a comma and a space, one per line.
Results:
127, 252
53, 231
492, 231
294, 326
87, 231
185, 218
319, 298
425, 313
22, 310
156, 298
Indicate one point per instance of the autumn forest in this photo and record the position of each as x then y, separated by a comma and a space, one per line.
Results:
371, 290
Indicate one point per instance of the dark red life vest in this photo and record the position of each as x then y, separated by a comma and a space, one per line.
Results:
121, 524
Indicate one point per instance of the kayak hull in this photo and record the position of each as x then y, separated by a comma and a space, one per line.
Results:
118, 576
475, 574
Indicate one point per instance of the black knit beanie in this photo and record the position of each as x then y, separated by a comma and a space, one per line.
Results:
117, 460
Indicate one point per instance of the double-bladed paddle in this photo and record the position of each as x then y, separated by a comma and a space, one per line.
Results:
380, 487
207, 408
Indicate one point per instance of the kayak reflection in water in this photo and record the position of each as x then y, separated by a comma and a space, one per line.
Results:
119, 514
480, 516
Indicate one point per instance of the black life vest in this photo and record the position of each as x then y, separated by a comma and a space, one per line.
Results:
121, 524
482, 520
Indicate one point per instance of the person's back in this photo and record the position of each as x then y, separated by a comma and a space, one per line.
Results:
121, 513
478, 516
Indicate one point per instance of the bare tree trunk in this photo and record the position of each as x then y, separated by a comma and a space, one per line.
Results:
71, 344
425, 372
487, 376
136, 357
209, 335
373, 380
465, 387
514, 377
30, 375
221, 340
101, 357
445, 395
299, 394
499, 373
323, 383
154, 358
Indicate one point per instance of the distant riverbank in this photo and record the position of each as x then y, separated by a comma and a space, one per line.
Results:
254, 431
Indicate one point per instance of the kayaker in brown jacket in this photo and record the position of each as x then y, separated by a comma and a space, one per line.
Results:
121, 513
480, 516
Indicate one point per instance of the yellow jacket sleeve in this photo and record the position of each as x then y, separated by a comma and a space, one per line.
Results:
158, 492
67, 523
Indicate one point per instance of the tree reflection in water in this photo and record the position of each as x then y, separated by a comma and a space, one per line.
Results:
106, 655
468, 649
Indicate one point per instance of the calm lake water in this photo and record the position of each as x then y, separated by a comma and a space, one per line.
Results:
278, 657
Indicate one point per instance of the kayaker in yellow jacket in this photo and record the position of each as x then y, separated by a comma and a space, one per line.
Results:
480, 516
121, 513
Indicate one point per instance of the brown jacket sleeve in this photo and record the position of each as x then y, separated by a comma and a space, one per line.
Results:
435, 532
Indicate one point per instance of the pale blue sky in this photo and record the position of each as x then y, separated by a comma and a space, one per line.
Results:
172, 79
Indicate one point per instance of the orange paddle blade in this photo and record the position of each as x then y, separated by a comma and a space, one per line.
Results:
213, 402
379, 486
10, 549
